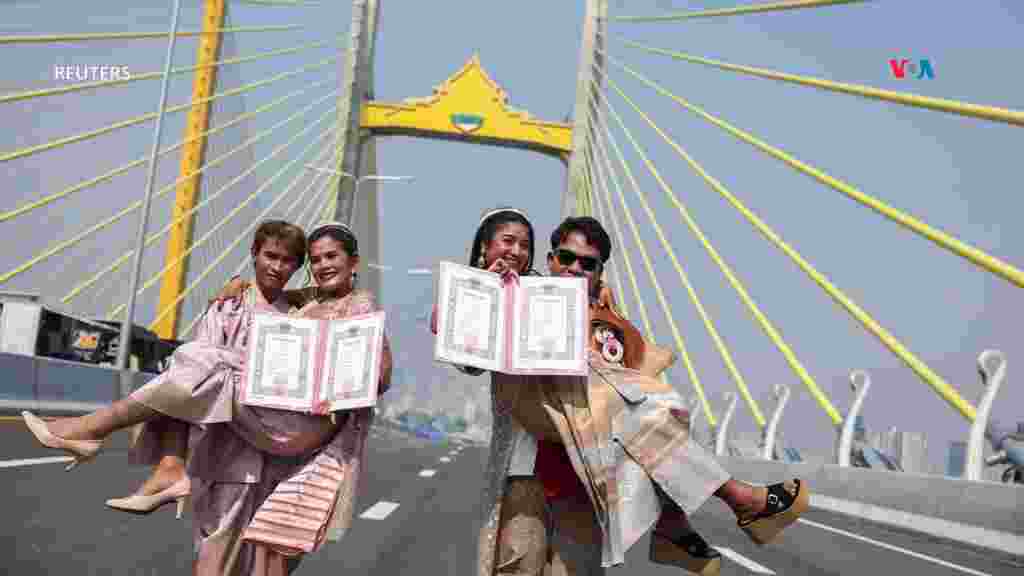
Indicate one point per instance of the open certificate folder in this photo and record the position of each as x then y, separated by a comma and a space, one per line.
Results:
535, 326
298, 363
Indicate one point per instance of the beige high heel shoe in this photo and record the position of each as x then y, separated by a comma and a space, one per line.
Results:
80, 450
146, 503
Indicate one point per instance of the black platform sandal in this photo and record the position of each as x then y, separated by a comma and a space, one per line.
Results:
689, 552
786, 502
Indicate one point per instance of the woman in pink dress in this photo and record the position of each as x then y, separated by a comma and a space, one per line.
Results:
251, 469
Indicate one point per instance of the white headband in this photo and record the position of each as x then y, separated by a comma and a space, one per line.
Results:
490, 213
332, 224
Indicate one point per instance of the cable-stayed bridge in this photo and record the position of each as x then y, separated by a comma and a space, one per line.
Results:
258, 109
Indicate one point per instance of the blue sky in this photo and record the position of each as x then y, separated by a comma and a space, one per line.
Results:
957, 174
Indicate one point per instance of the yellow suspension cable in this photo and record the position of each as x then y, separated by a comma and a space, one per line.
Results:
994, 113
155, 278
141, 161
235, 212
61, 246
309, 218
738, 10
163, 191
288, 217
763, 321
146, 117
588, 196
720, 345
330, 208
47, 38
104, 273
637, 294
331, 202
723, 351
677, 335
325, 211
618, 234
245, 234
949, 242
947, 392
30, 94
613, 267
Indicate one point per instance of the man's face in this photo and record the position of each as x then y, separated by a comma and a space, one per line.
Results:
274, 265
575, 257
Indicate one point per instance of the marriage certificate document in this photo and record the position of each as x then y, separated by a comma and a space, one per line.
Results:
314, 366
531, 325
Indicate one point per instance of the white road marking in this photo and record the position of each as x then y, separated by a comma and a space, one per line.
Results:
33, 461
743, 561
380, 510
946, 529
427, 473
445, 459
893, 548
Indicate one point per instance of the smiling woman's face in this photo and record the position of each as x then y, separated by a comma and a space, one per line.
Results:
331, 265
511, 242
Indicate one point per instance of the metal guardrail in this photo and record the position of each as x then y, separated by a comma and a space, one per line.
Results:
55, 386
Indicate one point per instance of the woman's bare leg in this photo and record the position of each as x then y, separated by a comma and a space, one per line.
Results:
103, 422
171, 468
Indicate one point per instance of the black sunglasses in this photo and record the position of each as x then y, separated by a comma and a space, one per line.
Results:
567, 257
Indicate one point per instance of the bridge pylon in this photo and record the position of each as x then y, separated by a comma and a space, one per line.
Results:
192, 155
357, 152
579, 180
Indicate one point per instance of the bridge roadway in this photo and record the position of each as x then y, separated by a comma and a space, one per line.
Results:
54, 522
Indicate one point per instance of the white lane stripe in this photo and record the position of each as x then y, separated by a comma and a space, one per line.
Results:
946, 529
445, 459
37, 406
380, 510
743, 561
894, 548
33, 461
427, 473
